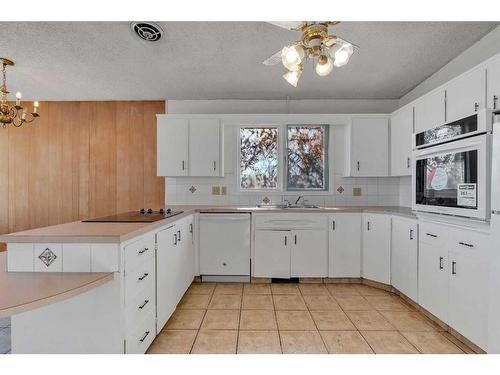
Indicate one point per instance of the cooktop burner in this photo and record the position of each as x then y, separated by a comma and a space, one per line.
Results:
141, 216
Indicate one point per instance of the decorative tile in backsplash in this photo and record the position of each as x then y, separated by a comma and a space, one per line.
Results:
375, 191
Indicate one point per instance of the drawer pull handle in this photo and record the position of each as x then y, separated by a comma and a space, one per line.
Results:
440, 263
411, 234
143, 276
466, 244
190, 228
179, 235
333, 225
144, 337
431, 235
453, 268
175, 238
144, 304
143, 250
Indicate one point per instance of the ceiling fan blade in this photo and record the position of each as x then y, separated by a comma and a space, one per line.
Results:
273, 60
289, 25
340, 40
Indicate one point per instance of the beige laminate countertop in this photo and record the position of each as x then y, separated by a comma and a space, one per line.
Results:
80, 232
24, 291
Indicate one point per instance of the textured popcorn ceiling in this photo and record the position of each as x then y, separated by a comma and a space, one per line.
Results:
220, 60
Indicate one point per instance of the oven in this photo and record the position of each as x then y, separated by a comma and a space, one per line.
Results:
453, 177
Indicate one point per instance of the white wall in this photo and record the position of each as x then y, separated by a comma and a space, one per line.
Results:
480, 51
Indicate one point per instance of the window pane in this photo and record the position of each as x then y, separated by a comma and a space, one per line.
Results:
307, 164
259, 158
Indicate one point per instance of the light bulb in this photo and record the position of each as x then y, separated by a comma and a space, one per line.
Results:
324, 66
18, 95
292, 56
341, 53
292, 77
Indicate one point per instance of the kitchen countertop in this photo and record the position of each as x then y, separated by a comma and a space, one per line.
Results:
24, 291
79, 232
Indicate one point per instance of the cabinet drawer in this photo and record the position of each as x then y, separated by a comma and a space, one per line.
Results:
140, 306
139, 251
433, 234
468, 240
288, 221
141, 336
139, 279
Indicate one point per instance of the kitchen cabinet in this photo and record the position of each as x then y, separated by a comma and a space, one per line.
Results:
172, 146
433, 264
189, 147
430, 111
204, 146
272, 254
168, 273
466, 94
225, 244
368, 145
401, 141
404, 256
344, 245
468, 293
493, 84
376, 255
309, 253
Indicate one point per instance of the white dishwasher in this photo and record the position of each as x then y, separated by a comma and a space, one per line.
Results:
225, 247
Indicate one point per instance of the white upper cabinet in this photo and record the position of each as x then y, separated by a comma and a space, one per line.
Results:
204, 147
172, 137
493, 84
466, 94
189, 147
368, 147
430, 111
401, 141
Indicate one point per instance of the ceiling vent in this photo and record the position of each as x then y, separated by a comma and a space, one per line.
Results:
148, 31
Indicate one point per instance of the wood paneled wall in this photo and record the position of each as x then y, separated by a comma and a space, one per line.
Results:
79, 160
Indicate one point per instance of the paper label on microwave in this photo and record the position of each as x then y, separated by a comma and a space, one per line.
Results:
466, 195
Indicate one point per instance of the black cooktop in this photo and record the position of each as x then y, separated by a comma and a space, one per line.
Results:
141, 216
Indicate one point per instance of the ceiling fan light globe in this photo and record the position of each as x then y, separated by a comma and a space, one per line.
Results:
292, 56
324, 66
292, 77
342, 54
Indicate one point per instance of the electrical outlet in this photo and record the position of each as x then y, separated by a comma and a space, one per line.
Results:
215, 190
356, 192
223, 190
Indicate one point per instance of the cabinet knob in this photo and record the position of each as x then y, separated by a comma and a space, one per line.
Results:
440, 263
143, 276
143, 250
215, 165
453, 268
495, 102
183, 165
476, 107
408, 160
224, 264
358, 165
144, 337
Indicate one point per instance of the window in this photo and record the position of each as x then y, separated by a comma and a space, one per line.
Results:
304, 151
307, 159
259, 158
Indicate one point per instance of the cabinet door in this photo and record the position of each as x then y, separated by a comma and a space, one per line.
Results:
309, 254
493, 84
204, 147
377, 248
430, 111
345, 246
172, 146
468, 291
168, 265
466, 95
369, 147
186, 256
404, 257
401, 142
272, 254
433, 279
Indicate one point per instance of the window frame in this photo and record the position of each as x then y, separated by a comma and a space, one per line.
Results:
279, 183
326, 166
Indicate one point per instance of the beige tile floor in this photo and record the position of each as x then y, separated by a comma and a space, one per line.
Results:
299, 318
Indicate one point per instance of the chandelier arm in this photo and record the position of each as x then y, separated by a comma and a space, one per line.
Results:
18, 123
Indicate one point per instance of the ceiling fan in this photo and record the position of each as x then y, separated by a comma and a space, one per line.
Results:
316, 44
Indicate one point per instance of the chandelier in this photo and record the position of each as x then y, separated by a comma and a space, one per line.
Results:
13, 114
315, 44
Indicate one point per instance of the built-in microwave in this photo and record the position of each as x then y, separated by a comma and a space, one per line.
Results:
478, 123
453, 178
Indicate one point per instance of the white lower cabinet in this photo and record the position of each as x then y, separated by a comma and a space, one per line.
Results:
376, 255
404, 256
309, 253
272, 254
344, 238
